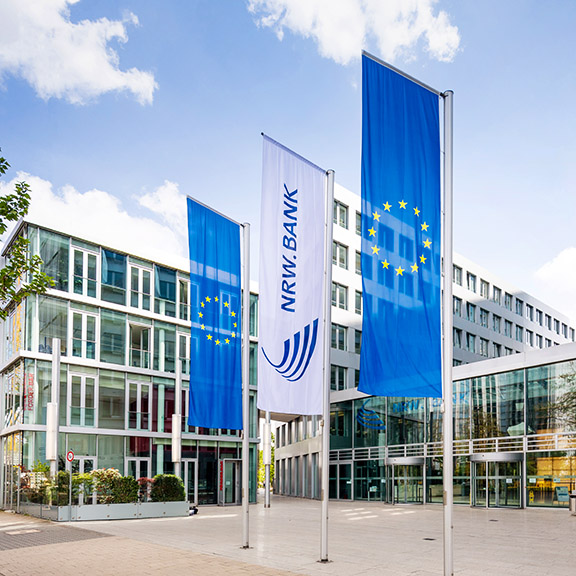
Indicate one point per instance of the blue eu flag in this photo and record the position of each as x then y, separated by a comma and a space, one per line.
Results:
215, 342
401, 351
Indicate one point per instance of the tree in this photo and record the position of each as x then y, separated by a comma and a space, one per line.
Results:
21, 274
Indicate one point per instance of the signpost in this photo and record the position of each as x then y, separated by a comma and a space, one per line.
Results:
70, 458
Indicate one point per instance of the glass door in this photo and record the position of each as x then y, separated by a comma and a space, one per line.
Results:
229, 483
138, 467
138, 405
497, 484
408, 483
190, 478
340, 481
81, 400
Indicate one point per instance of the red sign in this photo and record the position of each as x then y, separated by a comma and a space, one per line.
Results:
70, 456
221, 474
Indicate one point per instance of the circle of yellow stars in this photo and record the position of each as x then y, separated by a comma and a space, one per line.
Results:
214, 337
426, 243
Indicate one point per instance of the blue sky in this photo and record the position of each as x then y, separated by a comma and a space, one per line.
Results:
115, 110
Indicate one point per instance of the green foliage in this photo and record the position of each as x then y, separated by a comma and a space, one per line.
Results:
104, 481
125, 489
167, 488
20, 265
262, 468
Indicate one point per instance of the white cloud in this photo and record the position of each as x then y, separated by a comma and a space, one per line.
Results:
343, 28
63, 59
558, 278
99, 217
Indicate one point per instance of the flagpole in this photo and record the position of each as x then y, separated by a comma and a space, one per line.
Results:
324, 494
447, 313
245, 385
267, 457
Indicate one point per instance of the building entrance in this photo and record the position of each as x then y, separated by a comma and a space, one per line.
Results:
229, 482
496, 480
340, 481
406, 485
190, 470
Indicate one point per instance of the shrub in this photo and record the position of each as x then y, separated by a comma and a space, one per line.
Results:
145, 485
104, 479
167, 488
124, 490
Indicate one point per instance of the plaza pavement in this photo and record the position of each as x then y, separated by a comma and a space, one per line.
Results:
365, 538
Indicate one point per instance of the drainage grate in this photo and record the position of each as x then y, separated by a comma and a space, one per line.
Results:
431, 539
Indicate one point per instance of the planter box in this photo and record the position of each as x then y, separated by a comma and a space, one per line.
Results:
109, 511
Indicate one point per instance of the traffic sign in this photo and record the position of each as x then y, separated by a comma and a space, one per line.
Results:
70, 456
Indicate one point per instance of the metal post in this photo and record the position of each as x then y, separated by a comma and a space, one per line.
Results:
53, 411
325, 423
267, 458
245, 385
447, 421
177, 422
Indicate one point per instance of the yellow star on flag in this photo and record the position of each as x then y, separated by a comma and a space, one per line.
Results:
233, 314
387, 207
233, 334
200, 314
216, 299
202, 304
375, 249
399, 271
402, 204
217, 342
226, 304
226, 341
424, 227
235, 325
207, 298
209, 336
423, 259
427, 243
376, 216
416, 212
372, 232
414, 267
202, 327
385, 264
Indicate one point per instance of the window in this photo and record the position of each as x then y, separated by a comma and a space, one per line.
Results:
340, 255
497, 295
483, 318
337, 378
457, 306
483, 347
471, 281
112, 337
358, 263
548, 321
184, 352
140, 287
85, 273
358, 223
539, 316
572, 334
139, 404
339, 335
548, 343
139, 346
564, 330
519, 307
113, 277
54, 251
508, 301
556, 326
83, 333
538, 341
340, 214
457, 271
339, 296
356, 378
508, 351
357, 341
484, 289
358, 302
519, 334
470, 342
81, 400
496, 323
165, 291
508, 328
52, 323
497, 349
111, 400
184, 299
530, 312
471, 312
457, 335
164, 347
529, 338
253, 315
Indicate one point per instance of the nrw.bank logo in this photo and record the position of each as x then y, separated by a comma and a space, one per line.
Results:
298, 352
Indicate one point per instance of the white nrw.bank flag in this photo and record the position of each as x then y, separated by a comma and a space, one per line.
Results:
291, 301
